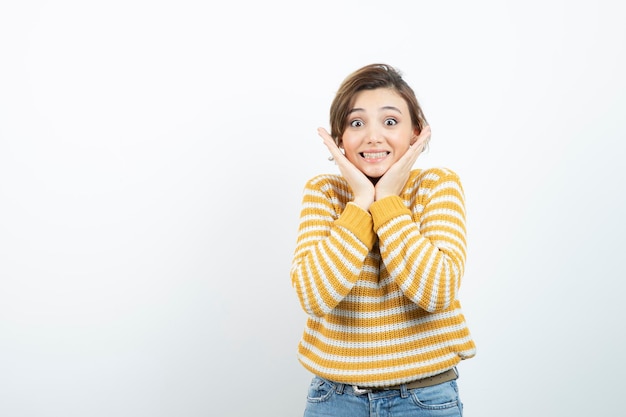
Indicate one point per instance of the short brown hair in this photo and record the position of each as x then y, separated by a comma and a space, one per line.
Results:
371, 77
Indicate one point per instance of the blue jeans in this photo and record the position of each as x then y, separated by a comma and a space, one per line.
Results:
331, 399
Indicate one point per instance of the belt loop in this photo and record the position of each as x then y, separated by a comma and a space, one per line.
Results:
404, 392
339, 388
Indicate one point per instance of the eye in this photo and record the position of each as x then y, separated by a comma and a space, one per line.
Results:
391, 122
356, 123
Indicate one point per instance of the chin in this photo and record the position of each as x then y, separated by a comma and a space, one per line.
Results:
377, 174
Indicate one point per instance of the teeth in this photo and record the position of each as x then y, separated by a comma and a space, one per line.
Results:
374, 155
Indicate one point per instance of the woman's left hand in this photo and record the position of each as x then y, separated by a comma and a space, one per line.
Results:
396, 177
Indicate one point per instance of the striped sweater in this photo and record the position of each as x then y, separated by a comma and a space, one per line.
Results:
380, 287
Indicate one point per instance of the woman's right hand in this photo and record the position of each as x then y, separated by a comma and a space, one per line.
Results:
361, 186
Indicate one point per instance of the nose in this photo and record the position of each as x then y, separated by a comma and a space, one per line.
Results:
374, 136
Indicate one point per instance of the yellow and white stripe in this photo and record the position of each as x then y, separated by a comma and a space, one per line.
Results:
380, 287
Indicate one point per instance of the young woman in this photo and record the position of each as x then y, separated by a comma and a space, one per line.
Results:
379, 259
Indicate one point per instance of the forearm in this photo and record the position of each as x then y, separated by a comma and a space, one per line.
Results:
425, 256
329, 257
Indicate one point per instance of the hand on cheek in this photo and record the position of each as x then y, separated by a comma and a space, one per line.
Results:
396, 177
361, 186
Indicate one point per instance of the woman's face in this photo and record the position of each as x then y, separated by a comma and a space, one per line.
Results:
378, 131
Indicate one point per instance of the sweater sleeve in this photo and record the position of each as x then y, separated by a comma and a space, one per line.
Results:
425, 252
330, 250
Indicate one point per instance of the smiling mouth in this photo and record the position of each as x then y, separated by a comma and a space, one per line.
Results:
374, 155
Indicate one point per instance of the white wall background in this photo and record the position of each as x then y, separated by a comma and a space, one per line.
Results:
152, 157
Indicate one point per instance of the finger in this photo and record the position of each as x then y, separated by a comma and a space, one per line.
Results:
419, 146
426, 132
325, 135
415, 150
329, 142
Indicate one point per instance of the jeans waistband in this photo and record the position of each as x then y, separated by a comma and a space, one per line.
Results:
449, 375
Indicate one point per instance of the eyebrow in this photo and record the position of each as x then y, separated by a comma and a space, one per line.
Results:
382, 108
